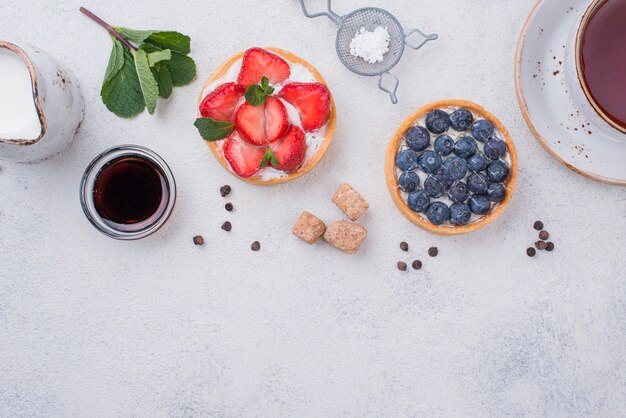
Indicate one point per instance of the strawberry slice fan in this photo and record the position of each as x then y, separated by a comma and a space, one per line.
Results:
371, 18
254, 122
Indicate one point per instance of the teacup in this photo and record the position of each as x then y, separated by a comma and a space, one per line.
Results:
578, 84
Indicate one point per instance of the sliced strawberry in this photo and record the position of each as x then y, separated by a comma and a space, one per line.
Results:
257, 63
312, 101
244, 159
220, 104
290, 150
260, 125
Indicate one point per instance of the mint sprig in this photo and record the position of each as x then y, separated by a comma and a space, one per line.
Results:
213, 130
143, 65
256, 94
269, 157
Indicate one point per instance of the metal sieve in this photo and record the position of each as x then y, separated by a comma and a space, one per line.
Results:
370, 18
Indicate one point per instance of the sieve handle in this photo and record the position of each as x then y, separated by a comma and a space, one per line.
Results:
329, 14
425, 38
394, 87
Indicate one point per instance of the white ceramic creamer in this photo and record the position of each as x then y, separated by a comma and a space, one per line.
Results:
40, 105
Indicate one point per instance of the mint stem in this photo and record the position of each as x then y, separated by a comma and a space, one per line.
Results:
108, 27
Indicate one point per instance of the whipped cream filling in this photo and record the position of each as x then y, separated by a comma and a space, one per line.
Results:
298, 73
454, 135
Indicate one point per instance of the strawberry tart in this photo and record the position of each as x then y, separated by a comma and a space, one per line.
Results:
267, 115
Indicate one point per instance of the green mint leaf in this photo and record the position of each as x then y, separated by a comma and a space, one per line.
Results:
122, 92
149, 86
182, 68
149, 48
134, 35
158, 56
255, 95
265, 86
269, 157
170, 40
274, 160
164, 79
116, 60
213, 130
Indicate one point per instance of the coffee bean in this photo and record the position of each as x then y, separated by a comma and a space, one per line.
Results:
225, 190
256, 246
417, 265
544, 235
530, 251
404, 246
401, 266
226, 226
198, 240
541, 245
228, 206
433, 251
538, 225
550, 246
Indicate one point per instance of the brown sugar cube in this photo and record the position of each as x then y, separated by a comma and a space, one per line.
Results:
308, 228
350, 201
346, 236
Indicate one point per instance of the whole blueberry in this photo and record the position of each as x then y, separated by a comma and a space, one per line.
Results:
409, 181
437, 213
461, 120
446, 182
435, 185
406, 160
498, 171
479, 204
477, 183
465, 147
482, 130
458, 192
417, 138
477, 162
437, 121
460, 214
430, 162
496, 192
418, 200
444, 144
494, 148
455, 168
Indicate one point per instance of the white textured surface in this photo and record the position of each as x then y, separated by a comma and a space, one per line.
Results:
94, 327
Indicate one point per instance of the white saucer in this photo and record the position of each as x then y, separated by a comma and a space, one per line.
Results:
546, 103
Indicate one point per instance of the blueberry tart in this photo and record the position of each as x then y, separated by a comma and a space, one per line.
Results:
451, 168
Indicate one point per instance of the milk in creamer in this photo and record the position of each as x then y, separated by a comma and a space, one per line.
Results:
18, 116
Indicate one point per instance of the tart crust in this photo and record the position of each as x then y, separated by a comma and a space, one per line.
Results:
392, 182
330, 125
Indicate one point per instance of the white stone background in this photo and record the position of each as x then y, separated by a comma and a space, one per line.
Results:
90, 326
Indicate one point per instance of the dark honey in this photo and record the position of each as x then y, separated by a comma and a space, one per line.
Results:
129, 190
603, 59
